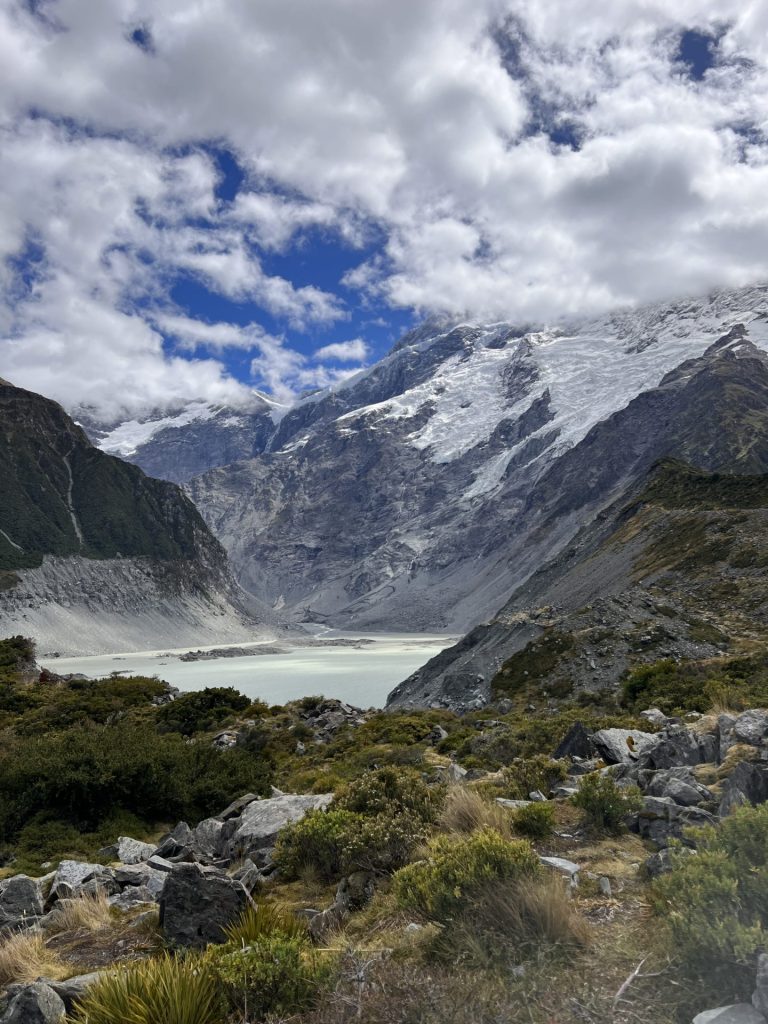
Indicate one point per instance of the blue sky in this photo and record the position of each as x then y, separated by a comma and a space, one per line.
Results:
199, 200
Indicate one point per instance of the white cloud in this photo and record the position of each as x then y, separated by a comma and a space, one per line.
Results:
344, 351
416, 123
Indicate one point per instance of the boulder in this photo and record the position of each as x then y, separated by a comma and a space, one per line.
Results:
661, 820
661, 863
207, 838
176, 843
564, 867
679, 784
237, 807
747, 784
128, 851
73, 988
198, 903
620, 746
259, 824
72, 875
512, 805
760, 995
132, 896
654, 716
679, 746
21, 903
739, 1013
751, 727
35, 1004
575, 743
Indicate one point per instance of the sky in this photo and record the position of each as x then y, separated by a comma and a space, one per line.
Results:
203, 197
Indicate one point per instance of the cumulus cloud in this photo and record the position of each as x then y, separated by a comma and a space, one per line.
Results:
504, 158
344, 351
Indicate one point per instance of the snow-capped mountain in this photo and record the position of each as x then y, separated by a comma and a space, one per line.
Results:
411, 495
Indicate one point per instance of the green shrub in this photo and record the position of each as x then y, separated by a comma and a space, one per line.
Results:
457, 869
165, 990
606, 805
537, 821
200, 711
278, 975
715, 904
392, 791
262, 919
527, 774
335, 842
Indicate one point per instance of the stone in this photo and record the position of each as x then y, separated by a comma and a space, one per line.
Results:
236, 808
35, 1004
679, 784
261, 821
760, 995
747, 784
604, 885
132, 896
21, 903
71, 876
662, 820
575, 743
455, 774
177, 842
739, 1013
537, 797
207, 837
512, 805
198, 903
563, 866
654, 716
679, 746
73, 988
128, 851
156, 863
437, 735
617, 746
250, 875
751, 727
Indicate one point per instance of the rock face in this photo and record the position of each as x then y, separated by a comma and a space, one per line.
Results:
86, 538
198, 903
21, 903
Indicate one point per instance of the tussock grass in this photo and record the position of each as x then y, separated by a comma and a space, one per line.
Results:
24, 957
263, 919
90, 912
467, 811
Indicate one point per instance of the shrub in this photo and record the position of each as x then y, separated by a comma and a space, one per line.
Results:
527, 774
278, 975
392, 791
261, 919
715, 904
202, 710
457, 869
466, 810
606, 805
339, 841
536, 821
166, 990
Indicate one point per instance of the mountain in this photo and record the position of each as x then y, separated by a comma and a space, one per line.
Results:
95, 555
415, 495
676, 566
180, 444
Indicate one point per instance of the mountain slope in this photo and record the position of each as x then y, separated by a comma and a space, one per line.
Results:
684, 541
84, 535
413, 496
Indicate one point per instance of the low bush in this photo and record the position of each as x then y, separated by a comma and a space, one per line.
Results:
202, 710
335, 842
606, 805
458, 869
165, 990
392, 791
715, 904
537, 820
278, 975
262, 919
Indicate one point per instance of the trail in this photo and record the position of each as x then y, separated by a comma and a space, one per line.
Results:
70, 506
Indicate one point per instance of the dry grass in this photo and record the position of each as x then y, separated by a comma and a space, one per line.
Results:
90, 912
466, 811
24, 957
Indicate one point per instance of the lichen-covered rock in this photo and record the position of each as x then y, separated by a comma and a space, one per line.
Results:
259, 824
21, 903
747, 784
198, 903
751, 727
617, 746
128, 851
35, 1004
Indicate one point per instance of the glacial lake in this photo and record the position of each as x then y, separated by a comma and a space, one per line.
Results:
362, 672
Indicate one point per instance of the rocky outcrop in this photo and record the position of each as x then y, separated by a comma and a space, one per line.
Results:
197, 903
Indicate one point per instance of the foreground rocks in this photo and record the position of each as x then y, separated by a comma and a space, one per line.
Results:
198, 903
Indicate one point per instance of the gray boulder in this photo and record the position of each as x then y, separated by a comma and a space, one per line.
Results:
129, 851
620, 746
198, 903
132, 896
751, 727
678, 746
576, 743
655, 716
259, 824
760, 995
72, 875
679, 784
35, 1004
661, 820
73, 988
177, 843
747, 784
207, 839
21, 903
739, 1013
237, 807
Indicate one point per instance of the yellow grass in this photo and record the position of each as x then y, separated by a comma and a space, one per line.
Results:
90, 912
466, 811
24, 957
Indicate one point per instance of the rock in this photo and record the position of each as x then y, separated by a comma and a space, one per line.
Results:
564, 867
21, 903
132, 896
751, 727
261, 821
617, 746
455, 774
177, 842
73, 988
437, 735
655, 716
725, 724
747, 784
512, 805
580, 766
198, 903
564, 792
351, 894
575, 743
237, 807
71, 876
678, 746
537, 797
35, 1004
679, 784
207, 839
661, 820
128, 851
225, 740
604, 885
250, 875
156, 863
413, 928
760, 995
739, 1013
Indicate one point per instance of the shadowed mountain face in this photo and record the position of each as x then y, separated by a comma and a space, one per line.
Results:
95, 555
673, 559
